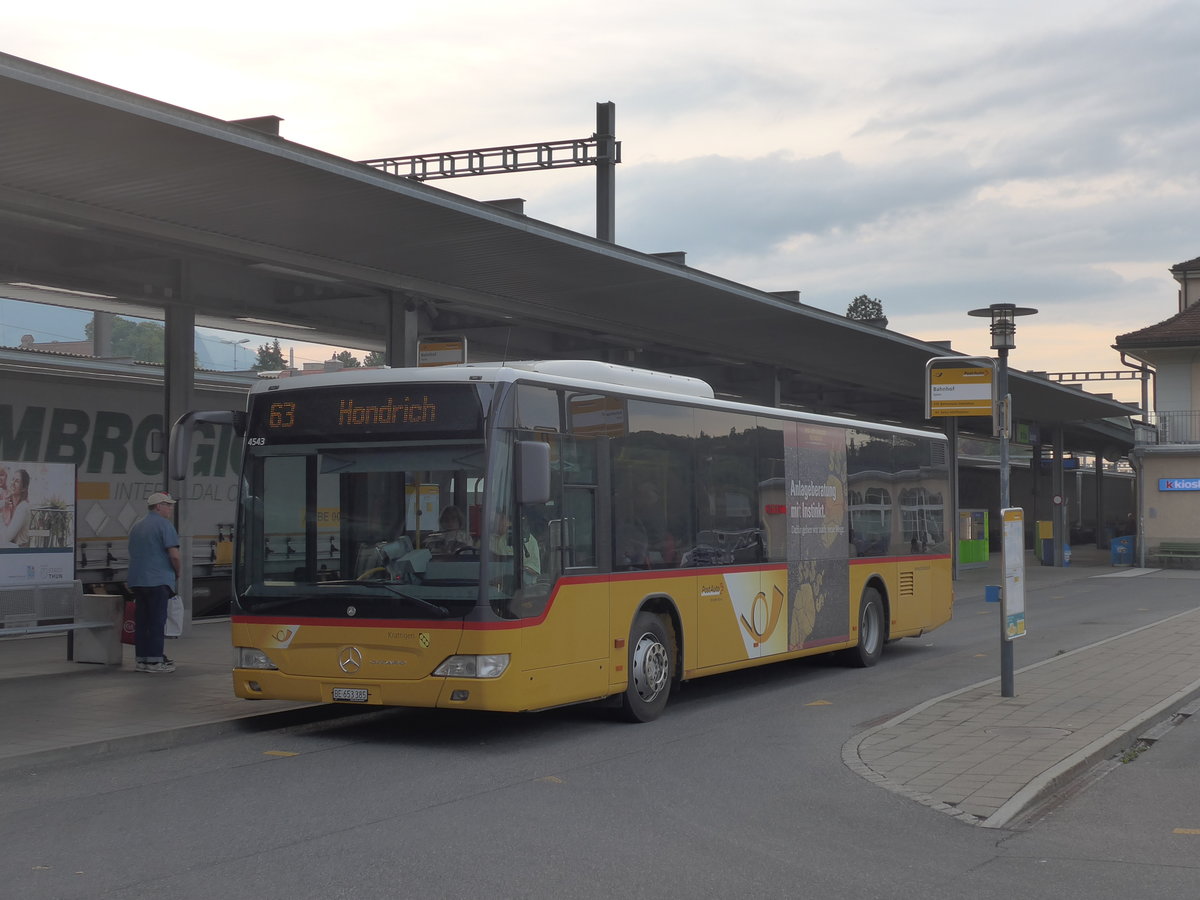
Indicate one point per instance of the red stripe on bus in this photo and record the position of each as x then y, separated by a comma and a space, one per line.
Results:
509, 624
871, 560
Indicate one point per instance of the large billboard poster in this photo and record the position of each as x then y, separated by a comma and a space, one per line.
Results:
37, 523
106, 432
817, 537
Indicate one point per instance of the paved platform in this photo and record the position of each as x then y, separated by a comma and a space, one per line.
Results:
988, 759
56, 710
970, 753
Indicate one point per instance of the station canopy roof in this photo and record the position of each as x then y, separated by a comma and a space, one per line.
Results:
123, 197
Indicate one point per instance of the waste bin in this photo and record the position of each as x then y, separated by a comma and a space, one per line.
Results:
1122, 550
1047, 545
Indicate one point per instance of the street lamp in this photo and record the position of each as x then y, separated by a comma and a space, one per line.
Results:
234, 344
1004, 331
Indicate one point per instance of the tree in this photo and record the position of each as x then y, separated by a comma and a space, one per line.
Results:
865, 309
270, 358
375, 358
143, 341
347, 359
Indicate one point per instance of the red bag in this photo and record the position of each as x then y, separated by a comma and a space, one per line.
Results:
129, 624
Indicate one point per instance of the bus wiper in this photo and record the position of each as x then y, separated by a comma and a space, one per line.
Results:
420, 601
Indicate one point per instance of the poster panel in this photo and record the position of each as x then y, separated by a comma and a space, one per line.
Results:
37, 523
818, 574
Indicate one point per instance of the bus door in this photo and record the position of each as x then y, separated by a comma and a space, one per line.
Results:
560, 594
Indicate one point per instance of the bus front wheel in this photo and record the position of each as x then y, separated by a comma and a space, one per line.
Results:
651, 662
870, 630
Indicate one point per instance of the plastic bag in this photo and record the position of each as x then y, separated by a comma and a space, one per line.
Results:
174, 626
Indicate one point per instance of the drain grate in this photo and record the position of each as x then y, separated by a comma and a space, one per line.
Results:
1032, 731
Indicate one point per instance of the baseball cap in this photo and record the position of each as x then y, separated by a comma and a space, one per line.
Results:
159, 497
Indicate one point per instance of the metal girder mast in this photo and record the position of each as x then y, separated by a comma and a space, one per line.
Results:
601, 150
1135, 372
1112, 375
493, 160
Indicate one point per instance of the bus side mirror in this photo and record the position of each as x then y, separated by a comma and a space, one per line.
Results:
185, 427
532, 472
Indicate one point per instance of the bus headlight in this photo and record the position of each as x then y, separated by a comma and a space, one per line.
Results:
251, 658
489, 665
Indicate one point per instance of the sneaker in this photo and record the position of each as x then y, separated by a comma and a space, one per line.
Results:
159, 667
170, 662
142, 666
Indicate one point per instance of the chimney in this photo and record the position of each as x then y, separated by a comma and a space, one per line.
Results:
265, 124
512, 205
673, 256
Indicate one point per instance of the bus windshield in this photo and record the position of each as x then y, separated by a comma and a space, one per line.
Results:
389, 530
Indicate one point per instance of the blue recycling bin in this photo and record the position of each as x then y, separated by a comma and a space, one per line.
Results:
1122, 550
1048, 553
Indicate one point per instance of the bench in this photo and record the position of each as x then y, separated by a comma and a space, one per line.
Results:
91, 622
55, 628
1182, 554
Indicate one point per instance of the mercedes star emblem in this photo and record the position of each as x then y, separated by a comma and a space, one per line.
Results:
350, 660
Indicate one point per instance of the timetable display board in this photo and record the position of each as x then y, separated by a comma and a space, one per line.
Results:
372, 412
1012, 596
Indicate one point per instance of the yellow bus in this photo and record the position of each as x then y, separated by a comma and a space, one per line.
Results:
529, 535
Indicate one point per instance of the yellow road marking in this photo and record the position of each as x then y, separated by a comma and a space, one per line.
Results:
1186, 831
819, 703
279, 753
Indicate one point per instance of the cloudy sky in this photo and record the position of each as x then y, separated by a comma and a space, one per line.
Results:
937, 155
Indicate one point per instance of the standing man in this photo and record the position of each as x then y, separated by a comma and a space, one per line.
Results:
154, 566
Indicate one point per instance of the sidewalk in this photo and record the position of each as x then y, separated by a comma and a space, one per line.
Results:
987, 759
54, 710
970, 753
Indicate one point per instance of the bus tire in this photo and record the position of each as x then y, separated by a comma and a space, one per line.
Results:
651, 664
871, 634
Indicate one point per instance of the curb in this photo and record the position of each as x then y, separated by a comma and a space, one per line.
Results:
1054, 777
181, 736
1058, 775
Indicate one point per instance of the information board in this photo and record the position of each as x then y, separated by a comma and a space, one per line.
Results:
961, 391
1012, 595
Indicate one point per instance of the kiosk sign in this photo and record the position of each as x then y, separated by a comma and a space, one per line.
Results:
1179, 484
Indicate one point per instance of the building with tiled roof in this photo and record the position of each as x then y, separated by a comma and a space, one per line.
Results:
1169, 466
1172, 349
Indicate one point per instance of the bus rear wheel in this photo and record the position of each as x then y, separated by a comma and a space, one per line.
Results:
651, 663
870, 630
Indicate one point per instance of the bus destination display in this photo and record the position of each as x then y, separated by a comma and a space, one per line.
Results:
373, 412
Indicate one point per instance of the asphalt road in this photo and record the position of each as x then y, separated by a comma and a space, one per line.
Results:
739, 789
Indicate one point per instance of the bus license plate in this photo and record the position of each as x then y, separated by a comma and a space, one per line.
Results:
358, 695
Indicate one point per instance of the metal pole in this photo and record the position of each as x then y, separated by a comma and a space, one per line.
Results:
606, 171
1007, 688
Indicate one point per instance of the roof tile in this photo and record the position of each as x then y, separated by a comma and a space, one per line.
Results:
1182, 329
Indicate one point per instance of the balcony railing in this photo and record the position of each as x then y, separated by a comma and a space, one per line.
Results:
1182, 427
